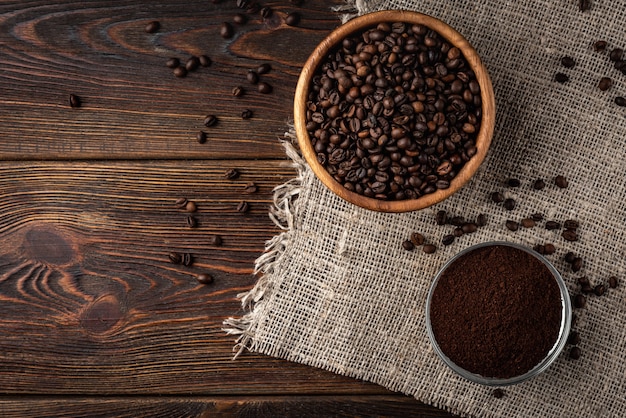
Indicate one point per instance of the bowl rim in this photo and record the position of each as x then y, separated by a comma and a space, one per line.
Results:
483, 138
555, 351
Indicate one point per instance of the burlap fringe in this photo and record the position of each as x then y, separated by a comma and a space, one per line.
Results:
282, 213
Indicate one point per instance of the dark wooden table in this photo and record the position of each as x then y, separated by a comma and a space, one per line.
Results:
95, 320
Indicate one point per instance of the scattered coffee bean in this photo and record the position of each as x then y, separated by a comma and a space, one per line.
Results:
292, 19
620, 101
192, 63
605, 83
528, 223
429, 248
243, 207
574, 353
513, 182
250, 188
172, 63
569, 257
266, 12
201, 137
204, 61
175, 258
264, 88
537, 217
561, 78
584, 5
252, 77
512, 225
458, 232
192, 222
583, 281
616, 54
152, 27
497, 197
240, 19
568, 62
441, 218
215, 240
264, 68
571, 224
540, 248
243, 4
417, 239
246, 114
238, 91
191, 206
447, 239
577, 264
586, 289
210, 120
570, 235
481, 220
599, 46
469, 228
187, 259
539, 184
580, 301
456, 220
74, 101
226, 30
509, 204
180, 72
549, 249
552, 225
573, 338
599, 290
204, 278
181, 202
561, 182
612, 282
408, 245
497, 393
231, 173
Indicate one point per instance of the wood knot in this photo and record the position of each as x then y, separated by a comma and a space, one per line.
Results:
48, 245
102, 315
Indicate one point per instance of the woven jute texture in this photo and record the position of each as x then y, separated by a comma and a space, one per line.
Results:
336, 289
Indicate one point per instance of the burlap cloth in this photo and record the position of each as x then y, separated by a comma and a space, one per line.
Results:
338, 291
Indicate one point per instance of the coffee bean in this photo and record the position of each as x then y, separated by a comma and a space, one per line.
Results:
456, 220
187, 259
561, 78
226, 30
264, 68
469, 228
552, 225
192, 222
580, 301
441, 218
561, 182
540, 248
537, 217
240, 19
528, 223
246, 114
549, 249
417, 239
613, 282
264, 88
238, 91
573, 338
616, 54
574, 353
231, 173
175, 258
243, 207
429, 248
570, 235
539, 184
620, 101
458, 232
191, 206
201, 137
172, 63
569, 257
497, 197
586, 289
577, 264
252, 77
292, 19
152, 27
180, 72
243, 4
571, 224
181, 202
599, 290
513, 182
215, 240
512, 225
266, 12
447, 239
74, 101
497, 393
605, 83
481, 220
599, 46
204, 61
584, 5
204, 278
250, 188
408, 245
568, 62
210, 120
192, 63
509, 204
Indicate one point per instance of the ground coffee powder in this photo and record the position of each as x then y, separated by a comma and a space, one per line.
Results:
496, 311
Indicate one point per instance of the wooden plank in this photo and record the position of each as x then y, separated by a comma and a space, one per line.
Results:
132, 105
232, 406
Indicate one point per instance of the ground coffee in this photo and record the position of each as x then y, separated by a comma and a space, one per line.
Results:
496, 311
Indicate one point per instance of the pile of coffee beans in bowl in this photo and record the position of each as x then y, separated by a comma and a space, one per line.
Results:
393, 112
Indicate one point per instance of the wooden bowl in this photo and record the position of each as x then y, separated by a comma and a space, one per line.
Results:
360, 24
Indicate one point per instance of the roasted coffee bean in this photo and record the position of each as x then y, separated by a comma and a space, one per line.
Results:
458, 232
417, 239
605, 83
201, 137
180, 72
264, 68
181, 202
580, 301
191, 206
537, 217
577, 264
408, 245
469, 228
238, 91
204, 278
441, 218
172, 63
246, 114
539, 184
187, 259
292, 19
204, 61
571, 224
586, 289
456, 220
243, 4
429, 248
152, 27
599, 46
215, 240
210, 120
569, 257
509, 204
573, 338
583, 281
584, 5
497, 393
250, 188
447, 239
540, 248
549, 249
552, 225
175, 258
620, 101
512, 225
513, 182
568, 62
616, 54
231, 174
528, 223
599, 290
613, 282
561, 78
561, 182
264, 88
243, 207
266, 12
74, 101
574, 353
192, 222
481, 220
570, 235
192, 63
497, 197
226, 30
